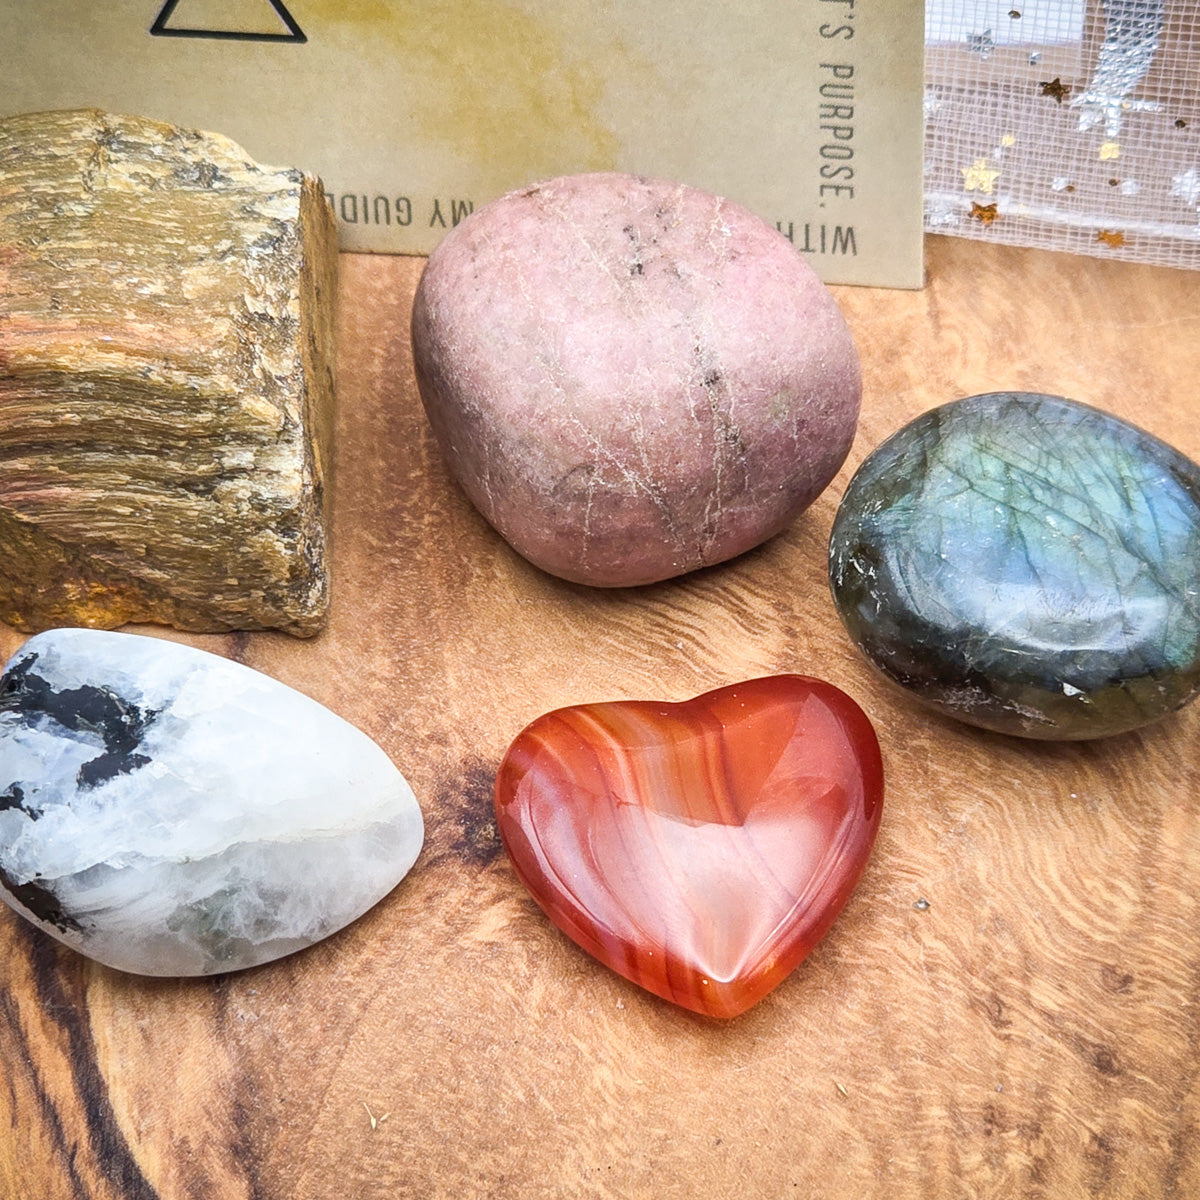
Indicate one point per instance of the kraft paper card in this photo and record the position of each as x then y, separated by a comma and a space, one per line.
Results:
416, 112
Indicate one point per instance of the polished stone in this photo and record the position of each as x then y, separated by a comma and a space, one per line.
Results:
1028, 564
700, 849
169, 812
631, 378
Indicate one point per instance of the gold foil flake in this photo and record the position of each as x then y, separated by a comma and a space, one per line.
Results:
1055, 88
1110, 151
979, 177
987, 213
1111, 237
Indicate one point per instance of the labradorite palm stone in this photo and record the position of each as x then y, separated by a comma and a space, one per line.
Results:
1027, 564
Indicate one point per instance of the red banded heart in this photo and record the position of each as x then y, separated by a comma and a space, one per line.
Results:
700, 849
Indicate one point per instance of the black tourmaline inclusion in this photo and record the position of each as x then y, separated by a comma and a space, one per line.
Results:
119, 723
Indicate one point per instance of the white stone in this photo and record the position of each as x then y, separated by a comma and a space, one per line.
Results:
169, 812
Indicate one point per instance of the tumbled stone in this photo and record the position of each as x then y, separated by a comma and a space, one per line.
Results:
631, 378
700, 848
169, 812
1028, 564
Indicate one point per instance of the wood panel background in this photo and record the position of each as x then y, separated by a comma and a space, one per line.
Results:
1032, 1032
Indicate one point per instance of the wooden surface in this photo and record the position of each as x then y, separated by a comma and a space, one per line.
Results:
1033, 1032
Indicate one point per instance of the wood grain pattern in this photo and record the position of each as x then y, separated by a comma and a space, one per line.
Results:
166, 388
1033, 1032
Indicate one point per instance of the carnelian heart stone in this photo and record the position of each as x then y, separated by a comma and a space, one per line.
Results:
700, 849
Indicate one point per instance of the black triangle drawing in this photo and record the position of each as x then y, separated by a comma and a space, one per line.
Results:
160, 28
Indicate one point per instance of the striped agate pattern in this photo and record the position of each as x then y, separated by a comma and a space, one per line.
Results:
702, 848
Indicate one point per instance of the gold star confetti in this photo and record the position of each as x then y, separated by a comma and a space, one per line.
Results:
1056, 88
1111, 237
978, 178
1109, 151
1008, 140
984, 212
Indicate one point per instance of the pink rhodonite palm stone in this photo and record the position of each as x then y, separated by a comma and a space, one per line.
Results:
631, 378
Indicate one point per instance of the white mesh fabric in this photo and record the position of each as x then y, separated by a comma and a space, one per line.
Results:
1066, 125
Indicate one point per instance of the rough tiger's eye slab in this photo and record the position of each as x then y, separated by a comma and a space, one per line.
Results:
700, 849
166, 389
169, 812
631, 378
1028, 564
